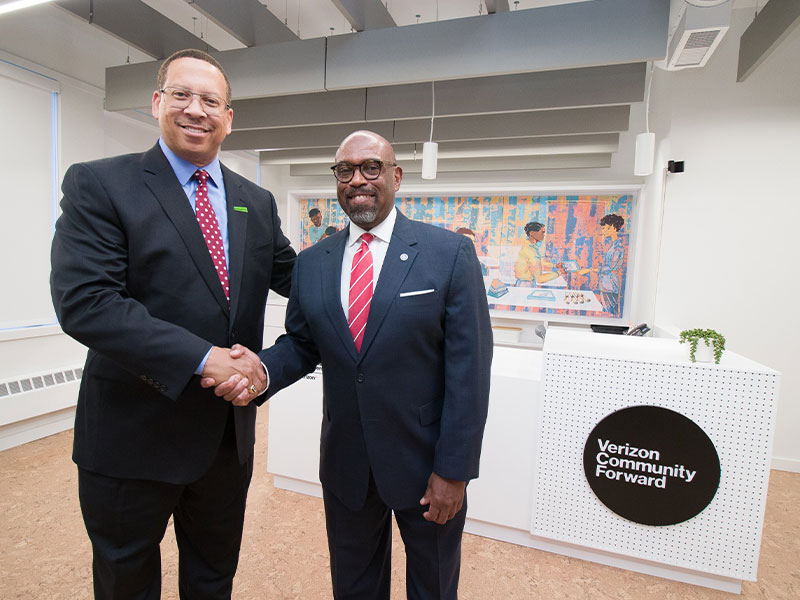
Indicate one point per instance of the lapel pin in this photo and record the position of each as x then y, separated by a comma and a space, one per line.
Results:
404, 257
240, 209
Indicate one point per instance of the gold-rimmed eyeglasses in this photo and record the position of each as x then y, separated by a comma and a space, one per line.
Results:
370, 169
181, 98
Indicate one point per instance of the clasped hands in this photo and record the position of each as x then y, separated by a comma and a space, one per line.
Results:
236, 374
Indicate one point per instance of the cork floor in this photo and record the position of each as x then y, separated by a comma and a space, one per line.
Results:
44, 552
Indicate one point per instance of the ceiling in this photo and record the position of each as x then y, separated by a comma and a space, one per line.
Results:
530, 84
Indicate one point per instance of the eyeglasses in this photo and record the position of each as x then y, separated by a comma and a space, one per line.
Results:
370, 169
181, 98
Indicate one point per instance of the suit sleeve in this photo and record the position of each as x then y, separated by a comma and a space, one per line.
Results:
468, 359
294, 354
89, 262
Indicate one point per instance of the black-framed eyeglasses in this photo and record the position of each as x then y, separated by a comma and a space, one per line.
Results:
370, 169
181, 98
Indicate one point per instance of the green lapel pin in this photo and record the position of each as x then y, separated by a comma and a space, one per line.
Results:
240, 209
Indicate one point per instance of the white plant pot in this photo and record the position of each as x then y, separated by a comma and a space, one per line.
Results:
704, 352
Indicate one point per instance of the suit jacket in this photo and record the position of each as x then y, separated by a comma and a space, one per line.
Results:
132, 279
414, 400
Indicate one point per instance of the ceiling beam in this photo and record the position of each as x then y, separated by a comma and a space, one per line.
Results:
538, 146
470, 165
496, 6
364, 14
607, 119
289, 67
135, 23
570, 36
770, 27
594, 86
248, 21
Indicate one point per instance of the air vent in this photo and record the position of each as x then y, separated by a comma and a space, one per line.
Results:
697, 35
39, 381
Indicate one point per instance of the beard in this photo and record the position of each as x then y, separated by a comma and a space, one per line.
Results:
363, 215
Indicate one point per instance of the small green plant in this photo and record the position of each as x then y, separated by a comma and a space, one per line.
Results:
709, 336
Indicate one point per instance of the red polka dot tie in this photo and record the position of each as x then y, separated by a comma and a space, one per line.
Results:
360, 290
207, 219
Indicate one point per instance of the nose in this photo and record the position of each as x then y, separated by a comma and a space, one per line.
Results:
194, 107
358, 178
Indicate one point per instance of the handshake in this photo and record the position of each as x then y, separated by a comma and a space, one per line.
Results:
236, 374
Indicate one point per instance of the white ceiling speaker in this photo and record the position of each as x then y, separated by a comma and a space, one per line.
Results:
702, 25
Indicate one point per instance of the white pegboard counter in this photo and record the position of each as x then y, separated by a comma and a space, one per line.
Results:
587, 377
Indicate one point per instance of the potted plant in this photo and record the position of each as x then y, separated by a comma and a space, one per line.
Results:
711, 339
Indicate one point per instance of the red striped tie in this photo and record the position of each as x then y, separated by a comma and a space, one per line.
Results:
360, 290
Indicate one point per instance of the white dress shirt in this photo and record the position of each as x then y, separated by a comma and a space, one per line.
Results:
377, 247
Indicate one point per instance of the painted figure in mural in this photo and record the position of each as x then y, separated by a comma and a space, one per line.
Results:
329, 230
609, 271
315, 230
532, 268
471, 235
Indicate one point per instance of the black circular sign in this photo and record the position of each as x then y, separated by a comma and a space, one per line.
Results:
651, 465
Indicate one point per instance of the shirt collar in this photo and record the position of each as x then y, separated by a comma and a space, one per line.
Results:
382, 231
184, 169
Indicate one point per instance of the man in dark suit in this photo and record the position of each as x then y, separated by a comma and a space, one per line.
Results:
405, 397
160, 262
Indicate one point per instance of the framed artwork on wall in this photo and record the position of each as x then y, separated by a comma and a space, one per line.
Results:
542, 254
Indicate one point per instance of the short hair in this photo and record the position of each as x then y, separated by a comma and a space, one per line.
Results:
465, 231
533, 226
614, 220
313, 211
161, 79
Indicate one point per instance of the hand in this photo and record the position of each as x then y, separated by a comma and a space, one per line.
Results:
444, 498
234, 374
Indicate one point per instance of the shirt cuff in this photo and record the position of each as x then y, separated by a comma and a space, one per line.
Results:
202, 365
266, 372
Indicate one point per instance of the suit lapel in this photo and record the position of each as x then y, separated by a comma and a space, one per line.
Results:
330, 274
237, 230
400, 255
160, 179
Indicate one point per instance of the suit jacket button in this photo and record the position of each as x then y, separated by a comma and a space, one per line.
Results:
143, 377
360, 378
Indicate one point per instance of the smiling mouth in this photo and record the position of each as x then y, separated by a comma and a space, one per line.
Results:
192, 128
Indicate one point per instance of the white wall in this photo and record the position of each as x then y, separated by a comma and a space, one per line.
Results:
729, 252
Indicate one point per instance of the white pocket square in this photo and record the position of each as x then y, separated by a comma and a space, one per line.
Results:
416, 293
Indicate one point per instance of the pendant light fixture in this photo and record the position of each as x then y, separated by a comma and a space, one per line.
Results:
430, 149
645, 142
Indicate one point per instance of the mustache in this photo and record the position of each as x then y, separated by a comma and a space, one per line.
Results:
360, 192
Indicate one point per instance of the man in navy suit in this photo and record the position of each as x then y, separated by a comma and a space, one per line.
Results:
158, 294
404, 406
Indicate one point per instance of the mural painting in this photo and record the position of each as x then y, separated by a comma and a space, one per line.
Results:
553, 254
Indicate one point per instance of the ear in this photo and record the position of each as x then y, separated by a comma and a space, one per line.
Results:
156, 103
398, 177
230, 121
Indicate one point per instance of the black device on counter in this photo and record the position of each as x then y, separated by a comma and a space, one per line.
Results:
639, 330
618, 329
